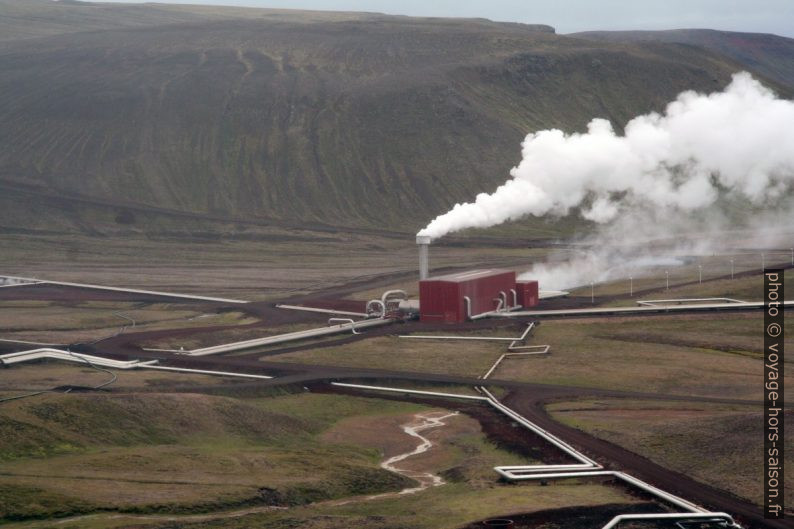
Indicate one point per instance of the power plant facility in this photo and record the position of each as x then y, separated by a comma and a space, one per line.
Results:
455, 298
211, 309
469, 295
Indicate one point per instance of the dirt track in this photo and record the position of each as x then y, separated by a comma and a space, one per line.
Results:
577, 517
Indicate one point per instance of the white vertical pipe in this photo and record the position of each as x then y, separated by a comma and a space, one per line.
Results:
423, 242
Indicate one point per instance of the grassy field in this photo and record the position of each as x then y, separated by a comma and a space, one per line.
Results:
159, 459
719, 445
707, 355
46, 375
179, 453
391, 352
448, 507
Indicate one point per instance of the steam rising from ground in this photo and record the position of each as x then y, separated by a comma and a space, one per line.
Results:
737, 145
596, 267
650, 242
740, 140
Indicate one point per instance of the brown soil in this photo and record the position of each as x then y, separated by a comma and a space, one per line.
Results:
381, 432
48, 292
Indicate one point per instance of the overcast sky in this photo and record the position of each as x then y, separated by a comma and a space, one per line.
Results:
766, 16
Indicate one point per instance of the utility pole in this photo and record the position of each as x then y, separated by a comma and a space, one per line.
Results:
631, 286
592, 293
700, 274
732, 269
667, 278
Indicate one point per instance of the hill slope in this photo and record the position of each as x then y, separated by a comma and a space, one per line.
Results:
24, 19
366, 122
769, 55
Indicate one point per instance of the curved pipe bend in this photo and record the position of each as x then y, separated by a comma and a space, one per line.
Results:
376, 308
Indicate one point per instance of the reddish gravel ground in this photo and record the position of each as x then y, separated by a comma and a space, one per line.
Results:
579, 517
48, 292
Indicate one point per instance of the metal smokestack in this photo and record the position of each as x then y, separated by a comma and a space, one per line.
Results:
423, 241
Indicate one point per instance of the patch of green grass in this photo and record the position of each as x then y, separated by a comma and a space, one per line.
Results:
448, 507
20, 439
21, 503
44, 375
391, 352
320, 411
126, 419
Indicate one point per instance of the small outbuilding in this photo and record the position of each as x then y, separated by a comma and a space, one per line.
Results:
528, 293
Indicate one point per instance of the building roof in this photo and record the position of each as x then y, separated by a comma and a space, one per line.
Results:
469, 275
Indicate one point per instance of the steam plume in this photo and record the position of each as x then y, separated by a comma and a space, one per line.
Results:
738, 142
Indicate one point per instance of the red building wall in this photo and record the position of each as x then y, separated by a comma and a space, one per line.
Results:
441, 297
528, 293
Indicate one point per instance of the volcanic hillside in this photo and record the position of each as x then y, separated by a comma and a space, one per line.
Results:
769, 55
111, 112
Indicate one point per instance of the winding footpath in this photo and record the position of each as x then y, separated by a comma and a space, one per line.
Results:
425, 421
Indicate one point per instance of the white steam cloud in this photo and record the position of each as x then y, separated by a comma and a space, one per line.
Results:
738, 142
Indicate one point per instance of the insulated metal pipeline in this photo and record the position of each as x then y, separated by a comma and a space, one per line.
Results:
68, 356
289, 337
321, 311
689, 307
721, 516
376, 307
500, 303
467, 302
503, 297
393, 295
31, 280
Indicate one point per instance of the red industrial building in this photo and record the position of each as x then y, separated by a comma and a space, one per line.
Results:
527, 292
453, 298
